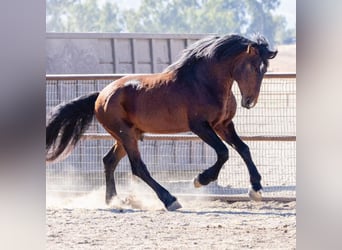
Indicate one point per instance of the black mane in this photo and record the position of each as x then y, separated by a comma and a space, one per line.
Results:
218, 48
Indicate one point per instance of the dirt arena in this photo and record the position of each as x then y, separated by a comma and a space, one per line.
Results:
139, 222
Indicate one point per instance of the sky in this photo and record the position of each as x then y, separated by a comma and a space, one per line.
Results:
286, 8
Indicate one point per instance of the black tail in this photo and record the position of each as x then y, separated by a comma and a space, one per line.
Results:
66, 124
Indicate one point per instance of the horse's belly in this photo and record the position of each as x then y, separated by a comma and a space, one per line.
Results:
160, 122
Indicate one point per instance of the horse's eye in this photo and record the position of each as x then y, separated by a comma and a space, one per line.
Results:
263, 68
256, 69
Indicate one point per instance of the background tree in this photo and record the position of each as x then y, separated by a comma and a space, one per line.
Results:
83, 16
171, 16
110, 19
283, 35
262, 20
56, 15
193, 16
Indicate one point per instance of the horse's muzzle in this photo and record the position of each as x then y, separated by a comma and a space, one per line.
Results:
248, 102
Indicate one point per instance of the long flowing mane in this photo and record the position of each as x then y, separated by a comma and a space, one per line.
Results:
218, 48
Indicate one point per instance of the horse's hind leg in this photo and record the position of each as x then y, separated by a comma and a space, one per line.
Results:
139, 169
110, 161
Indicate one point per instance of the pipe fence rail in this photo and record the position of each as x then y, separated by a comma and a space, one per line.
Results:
269, 129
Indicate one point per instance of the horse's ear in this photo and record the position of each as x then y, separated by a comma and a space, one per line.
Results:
250, 49
272, 54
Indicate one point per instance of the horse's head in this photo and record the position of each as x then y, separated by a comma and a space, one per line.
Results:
250, 67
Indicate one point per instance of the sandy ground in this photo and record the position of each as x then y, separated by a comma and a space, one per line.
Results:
136, 221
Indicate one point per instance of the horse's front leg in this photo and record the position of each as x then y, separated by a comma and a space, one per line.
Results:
229, 134
208, 135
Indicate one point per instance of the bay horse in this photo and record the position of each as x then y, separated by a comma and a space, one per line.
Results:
193, 94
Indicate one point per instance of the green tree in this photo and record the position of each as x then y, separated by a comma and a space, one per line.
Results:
82, 16
194, 16
56, 15
110, 19
283, 35
171, 16
220, 16
260, 12
148, 18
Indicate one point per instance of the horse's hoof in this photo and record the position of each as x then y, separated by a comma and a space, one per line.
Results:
109, 199
197, 184
254, 195
174, 206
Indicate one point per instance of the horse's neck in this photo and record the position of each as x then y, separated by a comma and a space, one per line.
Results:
223, 72
224, 88
220, 81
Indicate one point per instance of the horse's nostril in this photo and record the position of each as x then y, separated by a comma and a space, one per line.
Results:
247, 102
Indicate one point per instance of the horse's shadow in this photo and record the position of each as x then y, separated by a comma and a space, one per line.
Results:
120, 210
219, 212
214, 188
275, 211
211, 212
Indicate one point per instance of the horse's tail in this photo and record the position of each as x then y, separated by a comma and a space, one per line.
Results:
66, 124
